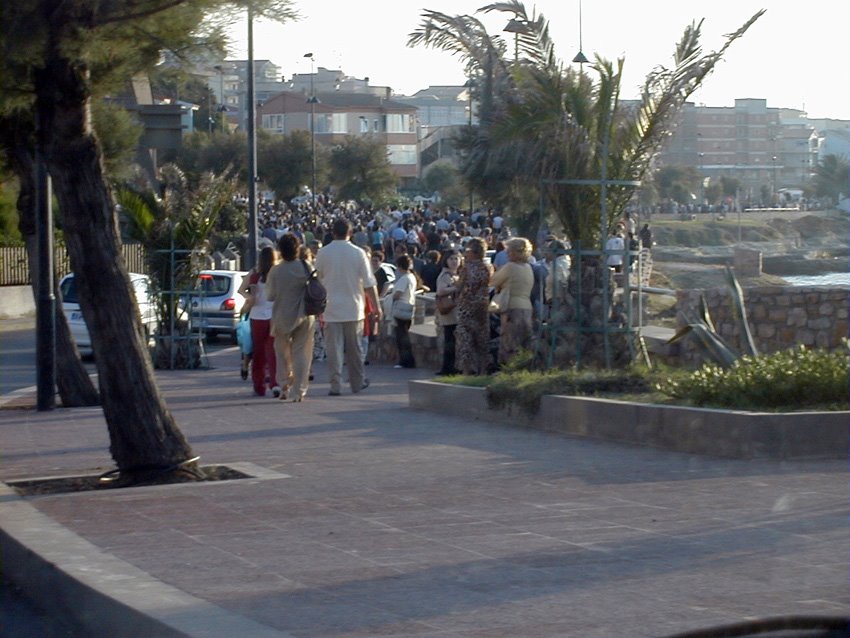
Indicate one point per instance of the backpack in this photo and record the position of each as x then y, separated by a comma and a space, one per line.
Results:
315, 295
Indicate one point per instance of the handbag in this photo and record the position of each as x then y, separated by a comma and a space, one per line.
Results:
445, 303
402, 310
501, 300
315, 295
243, 335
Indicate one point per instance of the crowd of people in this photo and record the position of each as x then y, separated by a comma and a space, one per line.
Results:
469, 260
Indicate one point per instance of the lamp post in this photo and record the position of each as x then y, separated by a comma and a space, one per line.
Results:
773, 189
312, 101
468, 86
773, 171
580, 58
516, 27
252, 148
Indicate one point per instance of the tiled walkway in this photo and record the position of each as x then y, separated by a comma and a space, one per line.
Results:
379, 520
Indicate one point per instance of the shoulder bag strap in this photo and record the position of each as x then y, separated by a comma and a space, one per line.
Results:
310, 273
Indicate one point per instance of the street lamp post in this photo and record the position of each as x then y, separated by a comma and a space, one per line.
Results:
516, 27
468, 86
252, 149
312, 101
773, 161
580, 58
773, 171
701, 180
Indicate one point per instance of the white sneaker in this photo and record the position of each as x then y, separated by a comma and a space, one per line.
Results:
398, 367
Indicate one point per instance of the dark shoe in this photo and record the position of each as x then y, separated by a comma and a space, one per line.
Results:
364, 386
311, 377
244, 373
333, 394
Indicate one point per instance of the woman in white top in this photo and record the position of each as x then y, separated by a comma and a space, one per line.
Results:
263, 365
404, 290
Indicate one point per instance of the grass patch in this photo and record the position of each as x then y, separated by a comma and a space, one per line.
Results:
794, 380
524, 388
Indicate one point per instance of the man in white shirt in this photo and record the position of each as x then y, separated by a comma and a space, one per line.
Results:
345, 272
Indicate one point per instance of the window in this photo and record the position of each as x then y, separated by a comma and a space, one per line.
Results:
399, 123
364, 125
332, 123
274, 122
439, 115
401, 153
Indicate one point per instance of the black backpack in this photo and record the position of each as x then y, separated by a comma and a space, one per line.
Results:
315, 295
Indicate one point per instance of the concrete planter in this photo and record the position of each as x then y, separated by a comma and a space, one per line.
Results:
724, 433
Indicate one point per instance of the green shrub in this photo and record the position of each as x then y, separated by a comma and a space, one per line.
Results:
795, 378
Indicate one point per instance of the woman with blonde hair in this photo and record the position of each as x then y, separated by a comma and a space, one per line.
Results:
517, 279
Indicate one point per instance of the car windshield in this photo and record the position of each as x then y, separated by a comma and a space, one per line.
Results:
213, 284
68, 288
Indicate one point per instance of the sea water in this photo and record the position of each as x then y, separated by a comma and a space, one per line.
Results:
829, 279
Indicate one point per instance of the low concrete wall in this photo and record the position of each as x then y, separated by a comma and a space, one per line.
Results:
724, 433
16, 302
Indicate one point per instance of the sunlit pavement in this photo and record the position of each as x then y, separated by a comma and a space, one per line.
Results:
368, 518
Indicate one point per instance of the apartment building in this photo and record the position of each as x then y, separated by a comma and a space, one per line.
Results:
337, 115
759, 145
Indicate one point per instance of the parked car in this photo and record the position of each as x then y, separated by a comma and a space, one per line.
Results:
145, 302
216, 302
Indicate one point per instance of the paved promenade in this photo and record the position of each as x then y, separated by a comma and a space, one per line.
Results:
367, 518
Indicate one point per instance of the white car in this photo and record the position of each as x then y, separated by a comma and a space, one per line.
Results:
216, 303
145, 302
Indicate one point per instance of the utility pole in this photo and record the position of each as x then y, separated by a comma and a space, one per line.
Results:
312, 101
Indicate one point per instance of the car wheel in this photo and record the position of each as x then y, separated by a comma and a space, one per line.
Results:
234, 340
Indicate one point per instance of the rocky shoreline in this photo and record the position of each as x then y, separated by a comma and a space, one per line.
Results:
805, 245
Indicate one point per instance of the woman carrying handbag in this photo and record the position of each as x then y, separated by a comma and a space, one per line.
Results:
446, 315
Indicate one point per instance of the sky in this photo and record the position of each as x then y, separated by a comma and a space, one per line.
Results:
794, 56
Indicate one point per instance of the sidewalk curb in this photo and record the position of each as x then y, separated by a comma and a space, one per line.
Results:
105, 595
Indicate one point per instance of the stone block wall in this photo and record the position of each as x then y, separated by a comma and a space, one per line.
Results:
779, 317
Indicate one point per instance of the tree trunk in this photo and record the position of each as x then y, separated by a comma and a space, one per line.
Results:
143, 434
72, 380
582, 319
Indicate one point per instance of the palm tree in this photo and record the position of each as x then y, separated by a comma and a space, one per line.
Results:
564, 135
175, 229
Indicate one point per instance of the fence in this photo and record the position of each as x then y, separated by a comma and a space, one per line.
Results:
14, 268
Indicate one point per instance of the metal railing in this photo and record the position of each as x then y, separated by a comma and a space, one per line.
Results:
14, 268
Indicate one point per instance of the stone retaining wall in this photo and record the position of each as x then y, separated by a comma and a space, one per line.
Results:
779, 317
